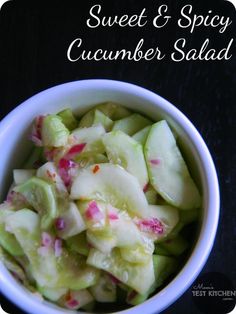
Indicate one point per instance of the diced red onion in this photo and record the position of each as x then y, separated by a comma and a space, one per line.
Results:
113, 216
10, 196
36, 135
60, 224
33, 137
39, 124
155, 162
93, 212
114, 279
72, 304
46, 239
152, 225
131, 295
75, 150
64, 166
58, 247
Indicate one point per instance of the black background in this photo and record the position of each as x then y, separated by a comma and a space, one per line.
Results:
34, 39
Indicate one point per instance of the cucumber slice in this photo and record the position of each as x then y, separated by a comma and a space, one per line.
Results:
65, 271
68, 119
160, 250
127, 233
11, 264
78, 244
169, 217
175, 246
140, 277
131, 124
163, 267
111, 184
114, 228
92, 137
104, 243
70, 222
49, 173
54, 132
35, 159
167, 169
52, 294
22, 175
151, 195
186, 217
121, 149
101, 118
7, 240
86, 161
141, 136
135, 254
104, 290
40, 195
110, 109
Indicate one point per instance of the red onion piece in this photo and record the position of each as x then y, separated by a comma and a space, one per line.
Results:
152, 225
58, 247
113, 216
72, 304
46, 239
115, 280
64, 168
155, 162
60, 224
93, 212
75, 150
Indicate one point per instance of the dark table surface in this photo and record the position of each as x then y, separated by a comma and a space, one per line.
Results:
34, 39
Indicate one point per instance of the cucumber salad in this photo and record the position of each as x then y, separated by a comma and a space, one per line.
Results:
98, 212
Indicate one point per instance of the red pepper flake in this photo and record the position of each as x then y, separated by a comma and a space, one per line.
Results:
155, 162
145, 188
96, 168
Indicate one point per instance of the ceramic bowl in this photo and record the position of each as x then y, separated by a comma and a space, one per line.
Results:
81, 96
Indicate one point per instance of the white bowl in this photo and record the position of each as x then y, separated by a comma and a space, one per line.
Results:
81, 95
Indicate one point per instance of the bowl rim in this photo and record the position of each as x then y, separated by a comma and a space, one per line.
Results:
205, 241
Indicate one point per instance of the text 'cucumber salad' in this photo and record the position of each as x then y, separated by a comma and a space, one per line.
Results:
100, 212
